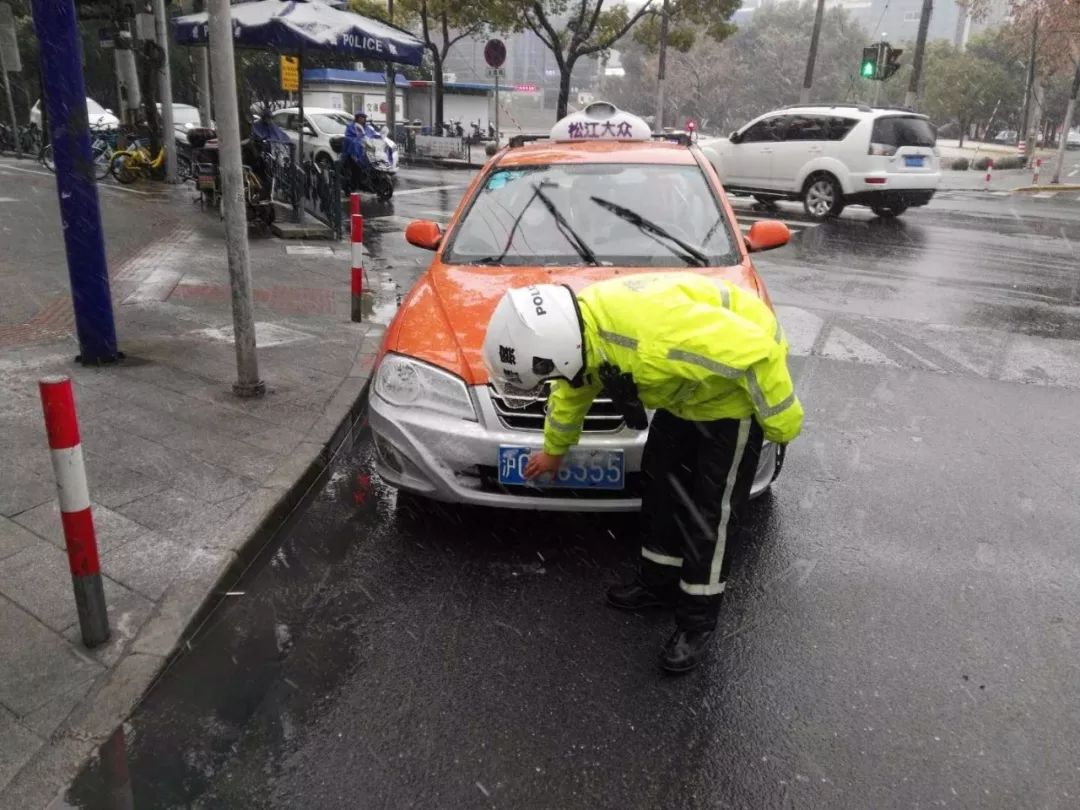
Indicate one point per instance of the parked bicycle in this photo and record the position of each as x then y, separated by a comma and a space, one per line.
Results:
28, 135
128, 165
102, 147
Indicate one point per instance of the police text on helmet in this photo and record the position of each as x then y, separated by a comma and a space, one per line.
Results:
538, 301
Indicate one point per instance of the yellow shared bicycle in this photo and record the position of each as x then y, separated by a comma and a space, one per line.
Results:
128, 165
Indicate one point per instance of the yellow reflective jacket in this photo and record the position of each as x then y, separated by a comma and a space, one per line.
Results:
698, 347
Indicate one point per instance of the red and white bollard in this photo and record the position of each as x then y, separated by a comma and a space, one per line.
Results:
989, 173
62, 426
1035, 176
357, 281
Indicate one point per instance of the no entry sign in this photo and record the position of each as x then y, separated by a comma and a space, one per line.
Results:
495, 53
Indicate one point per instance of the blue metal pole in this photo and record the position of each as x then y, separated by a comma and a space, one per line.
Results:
65, 100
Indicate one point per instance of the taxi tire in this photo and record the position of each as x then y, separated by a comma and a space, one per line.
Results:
822, 196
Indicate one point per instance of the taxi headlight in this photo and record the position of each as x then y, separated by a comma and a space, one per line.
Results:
409, 383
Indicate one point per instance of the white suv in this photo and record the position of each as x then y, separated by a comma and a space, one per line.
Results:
832, 156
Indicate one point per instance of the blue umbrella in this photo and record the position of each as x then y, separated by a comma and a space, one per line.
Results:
292, 26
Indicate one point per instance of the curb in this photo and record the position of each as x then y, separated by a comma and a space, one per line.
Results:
456, 165
1048, 187
186, 604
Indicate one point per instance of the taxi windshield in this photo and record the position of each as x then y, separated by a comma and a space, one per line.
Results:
628, 215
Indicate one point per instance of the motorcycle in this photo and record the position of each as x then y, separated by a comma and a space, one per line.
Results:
376, 176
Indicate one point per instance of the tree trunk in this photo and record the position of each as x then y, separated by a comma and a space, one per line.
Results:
146, 80
661, 69
1066, 125
437, 89
565, 71
963, 132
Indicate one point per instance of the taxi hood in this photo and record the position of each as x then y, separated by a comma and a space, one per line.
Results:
444, 318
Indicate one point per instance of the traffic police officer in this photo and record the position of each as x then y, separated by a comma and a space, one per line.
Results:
711, 360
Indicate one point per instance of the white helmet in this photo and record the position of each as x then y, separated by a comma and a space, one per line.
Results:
534, 335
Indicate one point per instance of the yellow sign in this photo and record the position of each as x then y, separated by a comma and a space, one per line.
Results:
290, 73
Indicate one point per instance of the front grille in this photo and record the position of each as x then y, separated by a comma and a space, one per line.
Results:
601, 418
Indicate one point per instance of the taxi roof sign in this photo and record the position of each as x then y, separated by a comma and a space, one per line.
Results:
601, 121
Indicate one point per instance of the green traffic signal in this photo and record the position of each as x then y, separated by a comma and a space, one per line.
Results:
868, 69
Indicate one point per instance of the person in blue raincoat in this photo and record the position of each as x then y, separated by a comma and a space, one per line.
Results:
355, 133
266, 130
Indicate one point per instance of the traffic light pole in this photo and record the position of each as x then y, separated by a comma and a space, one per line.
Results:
64, 90
914, 88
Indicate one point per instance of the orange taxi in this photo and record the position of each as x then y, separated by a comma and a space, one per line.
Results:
531, 216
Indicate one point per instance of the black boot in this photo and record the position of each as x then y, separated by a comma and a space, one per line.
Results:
635, 596
685, 650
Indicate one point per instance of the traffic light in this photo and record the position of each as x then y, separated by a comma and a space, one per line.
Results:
892, 61
869, 67
879, 61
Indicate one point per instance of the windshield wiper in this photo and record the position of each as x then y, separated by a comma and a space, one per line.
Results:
572, 236
687, 252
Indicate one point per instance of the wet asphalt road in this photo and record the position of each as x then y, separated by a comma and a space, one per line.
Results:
901, 626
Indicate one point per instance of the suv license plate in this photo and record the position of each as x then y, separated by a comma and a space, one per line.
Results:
913, 160
581, 469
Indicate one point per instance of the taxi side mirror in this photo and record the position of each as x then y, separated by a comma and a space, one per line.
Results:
767, 234
424, 234
735, 137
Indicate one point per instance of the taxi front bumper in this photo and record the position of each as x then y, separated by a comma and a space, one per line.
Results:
454, 460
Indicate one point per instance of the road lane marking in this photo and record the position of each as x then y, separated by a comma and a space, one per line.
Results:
7, 166
425, 189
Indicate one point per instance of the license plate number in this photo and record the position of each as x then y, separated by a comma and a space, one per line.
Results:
913, 160
581, 469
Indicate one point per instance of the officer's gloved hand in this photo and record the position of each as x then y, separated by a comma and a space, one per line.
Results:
622, 391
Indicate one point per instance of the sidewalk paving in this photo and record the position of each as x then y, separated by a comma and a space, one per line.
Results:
186, 480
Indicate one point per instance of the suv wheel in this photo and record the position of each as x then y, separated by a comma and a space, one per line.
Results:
823, 197
888, 211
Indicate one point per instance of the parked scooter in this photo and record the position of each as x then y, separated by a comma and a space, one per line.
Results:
188, 148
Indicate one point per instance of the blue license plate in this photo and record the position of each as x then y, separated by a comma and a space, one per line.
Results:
581, 469
913, 160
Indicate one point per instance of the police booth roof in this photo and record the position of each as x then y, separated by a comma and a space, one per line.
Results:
289, 26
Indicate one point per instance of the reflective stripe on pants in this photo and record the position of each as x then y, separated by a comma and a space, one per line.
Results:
697, 478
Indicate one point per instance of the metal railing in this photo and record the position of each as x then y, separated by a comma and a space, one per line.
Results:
321, 195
